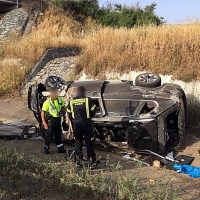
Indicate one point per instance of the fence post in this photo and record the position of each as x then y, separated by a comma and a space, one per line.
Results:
17, 3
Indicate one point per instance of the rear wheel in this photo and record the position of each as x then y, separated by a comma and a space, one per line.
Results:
148, 80
54, 81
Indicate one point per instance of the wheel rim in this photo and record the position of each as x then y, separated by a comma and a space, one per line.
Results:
57, 82
148, 78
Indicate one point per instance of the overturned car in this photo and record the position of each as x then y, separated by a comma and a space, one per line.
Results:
144, 115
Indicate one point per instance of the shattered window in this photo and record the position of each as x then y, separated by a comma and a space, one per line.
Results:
120, 107
148, 107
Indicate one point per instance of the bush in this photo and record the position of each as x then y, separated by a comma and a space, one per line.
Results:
114, 16
129, 16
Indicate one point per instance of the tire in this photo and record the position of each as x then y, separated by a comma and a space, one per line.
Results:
54, 81
148, 80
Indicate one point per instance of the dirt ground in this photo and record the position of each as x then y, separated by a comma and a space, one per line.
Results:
14, 112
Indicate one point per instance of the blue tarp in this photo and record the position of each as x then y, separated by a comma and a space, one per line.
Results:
193, 172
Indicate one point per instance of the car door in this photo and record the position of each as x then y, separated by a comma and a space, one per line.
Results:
36, 100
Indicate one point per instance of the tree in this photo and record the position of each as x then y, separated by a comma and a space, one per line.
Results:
114, 16
130, 16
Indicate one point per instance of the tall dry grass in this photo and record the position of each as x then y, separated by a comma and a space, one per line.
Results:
169, 49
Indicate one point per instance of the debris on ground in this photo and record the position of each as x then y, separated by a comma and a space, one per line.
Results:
127, 156
170, 156
156, 164
193, 172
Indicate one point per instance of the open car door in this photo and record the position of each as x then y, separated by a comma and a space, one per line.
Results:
36, 100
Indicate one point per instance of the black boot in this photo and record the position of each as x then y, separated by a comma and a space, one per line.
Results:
61, 149
94, 162
73, 156
79, 161
46, 149
70, 155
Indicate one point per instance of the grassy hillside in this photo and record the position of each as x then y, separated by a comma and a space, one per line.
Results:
54, 29
169, 49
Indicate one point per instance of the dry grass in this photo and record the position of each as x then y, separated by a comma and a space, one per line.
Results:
54, 29
170, 49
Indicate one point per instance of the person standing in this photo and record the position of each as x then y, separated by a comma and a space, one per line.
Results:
52, 111
80, 110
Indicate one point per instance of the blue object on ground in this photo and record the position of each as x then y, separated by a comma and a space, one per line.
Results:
193, 172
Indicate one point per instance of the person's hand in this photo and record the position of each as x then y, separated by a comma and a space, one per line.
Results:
45, 126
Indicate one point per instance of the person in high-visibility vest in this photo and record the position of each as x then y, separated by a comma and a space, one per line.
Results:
80, 110
52, 111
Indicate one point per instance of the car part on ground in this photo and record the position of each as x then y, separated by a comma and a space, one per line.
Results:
29, 131
135, 159
183, 160
146, 151
142, 117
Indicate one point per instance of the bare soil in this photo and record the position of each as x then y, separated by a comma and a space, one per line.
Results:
15, 112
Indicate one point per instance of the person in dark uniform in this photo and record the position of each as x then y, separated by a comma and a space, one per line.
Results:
80, 110
52, 110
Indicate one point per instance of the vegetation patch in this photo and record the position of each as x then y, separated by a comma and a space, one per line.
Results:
30, 178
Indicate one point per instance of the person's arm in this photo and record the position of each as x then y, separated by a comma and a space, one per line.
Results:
92, 108
43, 120
45, 108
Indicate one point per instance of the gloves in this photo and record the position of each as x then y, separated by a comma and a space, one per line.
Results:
65, 126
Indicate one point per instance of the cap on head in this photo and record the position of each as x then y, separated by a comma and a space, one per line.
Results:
81, 90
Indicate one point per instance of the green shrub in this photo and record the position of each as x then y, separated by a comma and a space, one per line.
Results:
114, 16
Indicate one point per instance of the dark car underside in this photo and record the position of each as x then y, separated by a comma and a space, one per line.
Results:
145, 116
